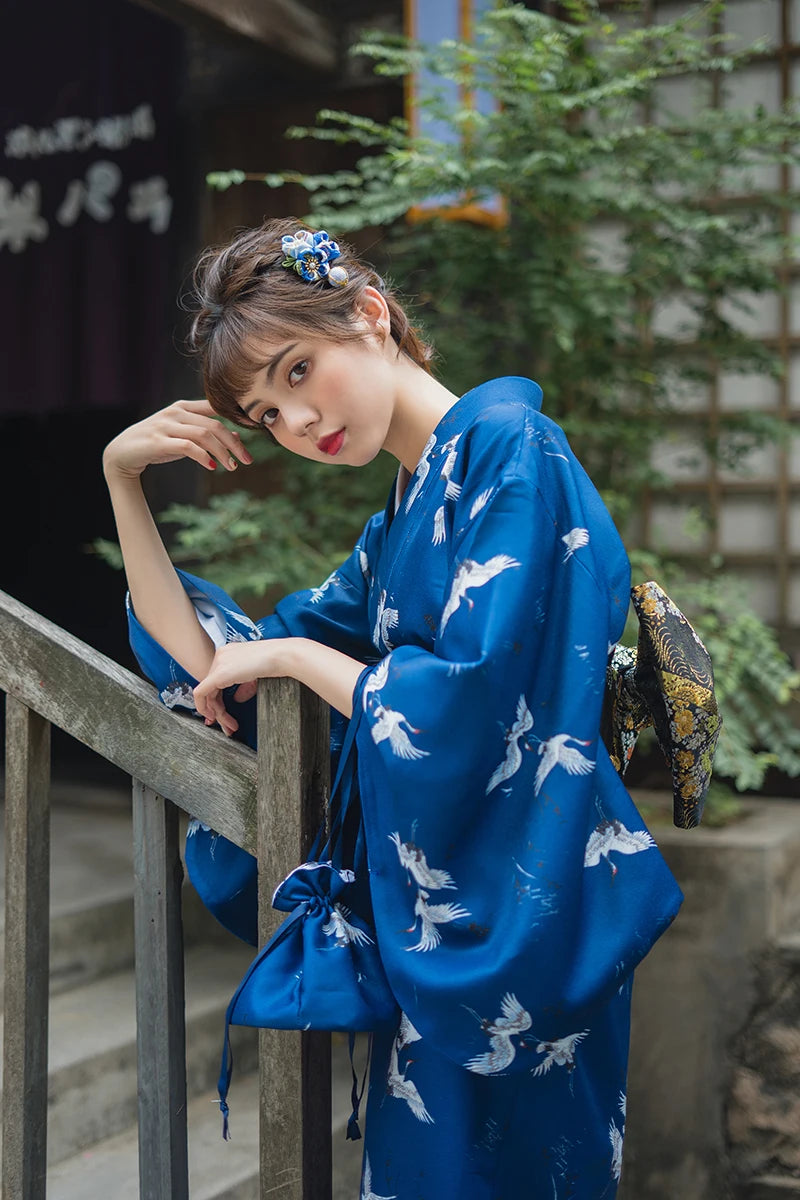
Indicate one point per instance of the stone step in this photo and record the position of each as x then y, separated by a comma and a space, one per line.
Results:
92, 1047
218, 1170
770, 1187
91, 894
789, 946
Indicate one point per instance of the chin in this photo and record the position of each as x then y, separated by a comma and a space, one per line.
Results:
358, 458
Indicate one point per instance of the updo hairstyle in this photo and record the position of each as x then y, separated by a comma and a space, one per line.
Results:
242, 295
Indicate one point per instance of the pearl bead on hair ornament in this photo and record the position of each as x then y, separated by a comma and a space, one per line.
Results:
309, 255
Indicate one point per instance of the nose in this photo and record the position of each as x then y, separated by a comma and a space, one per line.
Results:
299, 418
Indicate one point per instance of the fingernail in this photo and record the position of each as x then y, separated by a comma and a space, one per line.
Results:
212, 464
247, 457
232, 464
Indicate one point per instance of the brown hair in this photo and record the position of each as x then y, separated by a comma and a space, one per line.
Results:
243, 294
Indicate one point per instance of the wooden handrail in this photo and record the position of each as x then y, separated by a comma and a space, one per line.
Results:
116, 714
269, 802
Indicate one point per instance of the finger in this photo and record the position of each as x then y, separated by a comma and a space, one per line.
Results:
246, 691
209, 703
200, 700
186, 448
223, 443
196, 406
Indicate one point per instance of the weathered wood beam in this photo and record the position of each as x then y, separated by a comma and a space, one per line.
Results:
285, 26
27, 922
160, 1015
295, 1087
117, 715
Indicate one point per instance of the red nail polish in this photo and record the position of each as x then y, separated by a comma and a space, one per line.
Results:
212, 464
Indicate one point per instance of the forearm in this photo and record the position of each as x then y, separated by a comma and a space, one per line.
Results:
329, 673
158, 598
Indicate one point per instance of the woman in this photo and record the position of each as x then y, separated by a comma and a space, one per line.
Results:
512, 884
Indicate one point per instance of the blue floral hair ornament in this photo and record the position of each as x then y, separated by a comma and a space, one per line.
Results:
310, 255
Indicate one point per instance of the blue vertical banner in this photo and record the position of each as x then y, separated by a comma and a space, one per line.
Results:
431, 23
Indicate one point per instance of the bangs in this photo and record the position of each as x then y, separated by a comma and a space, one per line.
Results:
234, 356
235, 351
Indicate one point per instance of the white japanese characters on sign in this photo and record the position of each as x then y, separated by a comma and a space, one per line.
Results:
71, 134
20, 219
92, 195
150, 201
98, 194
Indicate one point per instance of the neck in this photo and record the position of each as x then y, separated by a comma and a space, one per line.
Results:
420, 405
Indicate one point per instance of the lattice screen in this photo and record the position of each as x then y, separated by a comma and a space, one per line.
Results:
753, 517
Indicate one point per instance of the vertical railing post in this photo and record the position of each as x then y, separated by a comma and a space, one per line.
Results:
295, 1068
160, 1016
27, 949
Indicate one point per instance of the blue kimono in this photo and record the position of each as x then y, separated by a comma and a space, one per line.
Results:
514, 887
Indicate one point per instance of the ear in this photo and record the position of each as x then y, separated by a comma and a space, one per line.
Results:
373, 311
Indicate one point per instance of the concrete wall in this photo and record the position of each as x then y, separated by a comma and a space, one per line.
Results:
696, 997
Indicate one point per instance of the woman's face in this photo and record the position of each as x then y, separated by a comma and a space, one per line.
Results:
328, 401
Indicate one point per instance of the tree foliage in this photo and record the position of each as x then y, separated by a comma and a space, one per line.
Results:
628, 260
637, 239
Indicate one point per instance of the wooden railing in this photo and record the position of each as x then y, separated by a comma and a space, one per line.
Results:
270, 803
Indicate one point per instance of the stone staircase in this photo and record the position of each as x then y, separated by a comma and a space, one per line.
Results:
92, 1136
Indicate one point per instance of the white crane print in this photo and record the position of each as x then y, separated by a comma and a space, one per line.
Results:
439, 531
479, 503
617, 1137
416, 864
430, 916
423, 467
405, 1089
385, 619
611, 836
575, 540
318, 592
513, 1021
234, 633
471, 574
452, 490
560, 1053
363, 563
178, 695
366, 1190
406, 1034
339, 927
555, 752
513, 758
387, 727
375, 681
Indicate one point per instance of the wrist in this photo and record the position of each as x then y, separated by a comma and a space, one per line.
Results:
292, 657
114, 473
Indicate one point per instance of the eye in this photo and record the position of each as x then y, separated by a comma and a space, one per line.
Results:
298, 371
269, 417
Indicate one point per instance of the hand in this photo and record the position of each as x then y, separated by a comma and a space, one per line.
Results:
243, 663
186, 429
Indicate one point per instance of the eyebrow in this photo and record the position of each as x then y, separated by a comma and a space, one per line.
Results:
272, 365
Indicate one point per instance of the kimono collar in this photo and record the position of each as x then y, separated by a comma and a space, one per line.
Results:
508, 389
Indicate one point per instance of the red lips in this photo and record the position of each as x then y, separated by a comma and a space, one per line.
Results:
331, 444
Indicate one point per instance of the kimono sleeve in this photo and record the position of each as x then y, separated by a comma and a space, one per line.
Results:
513, 883
224, 875
334, 613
